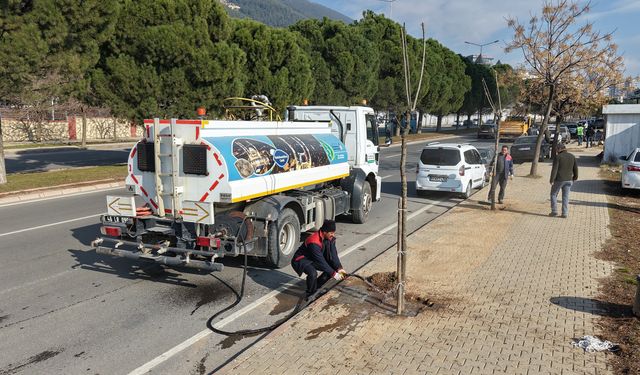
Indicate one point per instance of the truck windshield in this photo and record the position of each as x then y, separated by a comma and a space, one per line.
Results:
372, 129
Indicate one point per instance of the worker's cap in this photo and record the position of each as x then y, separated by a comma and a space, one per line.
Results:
328, 226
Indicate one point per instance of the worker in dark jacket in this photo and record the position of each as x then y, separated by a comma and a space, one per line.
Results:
503, 171
563, 173
319, 253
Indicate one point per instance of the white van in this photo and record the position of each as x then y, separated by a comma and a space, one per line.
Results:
450, 167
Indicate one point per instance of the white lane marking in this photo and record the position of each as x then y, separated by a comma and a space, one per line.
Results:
387, 176
48, 225
390, 156
60, 196
204, 333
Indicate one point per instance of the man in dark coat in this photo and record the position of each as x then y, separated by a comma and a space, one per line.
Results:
319, 253
563, 173
504, 170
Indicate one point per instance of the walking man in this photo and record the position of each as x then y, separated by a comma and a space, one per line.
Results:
580, 134
563, 173
590, 134
319, 253
504, 171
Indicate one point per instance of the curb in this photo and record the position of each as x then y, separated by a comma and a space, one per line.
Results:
62, 148
60, 190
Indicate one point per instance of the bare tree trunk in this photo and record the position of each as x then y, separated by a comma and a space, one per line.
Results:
543, 129
115, 129
3, 170
402, 224
84, 127
492, 197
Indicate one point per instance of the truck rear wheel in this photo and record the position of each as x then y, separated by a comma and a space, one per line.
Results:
284, 237
360, 215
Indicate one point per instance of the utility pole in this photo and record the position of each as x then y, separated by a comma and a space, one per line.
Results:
3, 171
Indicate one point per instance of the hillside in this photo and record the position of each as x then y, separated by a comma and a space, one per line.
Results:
280, 13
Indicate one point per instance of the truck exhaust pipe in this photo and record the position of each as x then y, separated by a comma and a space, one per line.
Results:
161, 259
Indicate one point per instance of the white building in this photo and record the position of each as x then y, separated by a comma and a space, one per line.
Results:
622, 130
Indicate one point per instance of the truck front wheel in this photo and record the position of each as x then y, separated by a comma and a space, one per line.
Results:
284, 237
360, 215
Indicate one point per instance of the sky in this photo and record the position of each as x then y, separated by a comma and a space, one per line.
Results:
452, 22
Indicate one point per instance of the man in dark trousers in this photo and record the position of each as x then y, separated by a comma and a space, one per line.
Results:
319, 253
504, 171
563, 173
590, 133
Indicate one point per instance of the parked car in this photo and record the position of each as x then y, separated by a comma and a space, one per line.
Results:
630, 174
524, 147
564, 134
487, 154
573, 128
467, 123
487, 131
450, 167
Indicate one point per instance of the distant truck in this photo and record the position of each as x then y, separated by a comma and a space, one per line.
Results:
199, 190
514, 126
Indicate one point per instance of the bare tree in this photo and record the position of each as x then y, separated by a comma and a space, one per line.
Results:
498, 111
3, 169
402, 204
557, 50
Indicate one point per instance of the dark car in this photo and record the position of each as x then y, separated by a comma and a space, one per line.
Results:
487, 131
487, 155
524, 147
467, 123
598, 123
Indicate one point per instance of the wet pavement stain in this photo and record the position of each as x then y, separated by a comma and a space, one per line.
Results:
200, 367
286, 303
232, 339
40, 357
78, 355
4, 317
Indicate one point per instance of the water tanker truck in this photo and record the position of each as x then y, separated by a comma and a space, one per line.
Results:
199, 190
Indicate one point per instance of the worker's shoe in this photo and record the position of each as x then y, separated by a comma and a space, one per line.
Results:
552, 214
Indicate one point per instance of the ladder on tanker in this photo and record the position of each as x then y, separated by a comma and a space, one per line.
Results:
166, 146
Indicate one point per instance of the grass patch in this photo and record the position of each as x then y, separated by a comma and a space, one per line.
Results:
24, 181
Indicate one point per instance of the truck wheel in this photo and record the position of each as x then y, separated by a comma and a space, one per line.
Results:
284, 237
360, 215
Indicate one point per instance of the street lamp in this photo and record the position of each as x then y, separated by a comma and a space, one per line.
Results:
482, 45
390, 7
479, 61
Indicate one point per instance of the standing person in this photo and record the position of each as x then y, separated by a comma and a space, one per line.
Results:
504, 171
590, 134
580, 134
318, 253
563, 173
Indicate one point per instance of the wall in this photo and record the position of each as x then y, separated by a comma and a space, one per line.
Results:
622, 135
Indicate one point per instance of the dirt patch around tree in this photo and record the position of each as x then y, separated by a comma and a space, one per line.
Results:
623, 249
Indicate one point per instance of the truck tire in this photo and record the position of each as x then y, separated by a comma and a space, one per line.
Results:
284, 237
360, 215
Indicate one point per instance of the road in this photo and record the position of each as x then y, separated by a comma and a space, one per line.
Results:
36, 160
66, 310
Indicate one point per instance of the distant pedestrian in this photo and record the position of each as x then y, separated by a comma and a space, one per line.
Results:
598, 137
563, 173
580, 134
318, 253
590, 133
504, 171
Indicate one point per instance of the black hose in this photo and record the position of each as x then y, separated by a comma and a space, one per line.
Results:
299, 305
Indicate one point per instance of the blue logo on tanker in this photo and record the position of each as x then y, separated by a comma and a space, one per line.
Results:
263, 155
281, 158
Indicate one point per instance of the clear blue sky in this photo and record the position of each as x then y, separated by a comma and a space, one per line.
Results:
452, 22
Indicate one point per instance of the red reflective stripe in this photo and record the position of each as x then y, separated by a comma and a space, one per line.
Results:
148, 131
215, 155
221, 176
204, 197
214, 185
189, 122
153, 203
298, 258
144, 191
167, 211
133, 152
204, 144
151, 121
197, 132
129, 167
136, 181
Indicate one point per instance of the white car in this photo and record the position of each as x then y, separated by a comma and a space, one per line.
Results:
450, 167
630, 174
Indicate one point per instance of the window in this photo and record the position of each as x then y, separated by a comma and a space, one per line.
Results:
372, 129
477, 156
637, 158
469, 157
440, 156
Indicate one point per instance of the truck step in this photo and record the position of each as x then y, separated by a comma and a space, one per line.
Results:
165, 154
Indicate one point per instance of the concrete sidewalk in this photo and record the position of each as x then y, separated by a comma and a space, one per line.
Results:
511, 289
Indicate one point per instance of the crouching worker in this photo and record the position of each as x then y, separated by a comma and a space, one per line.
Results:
319, 253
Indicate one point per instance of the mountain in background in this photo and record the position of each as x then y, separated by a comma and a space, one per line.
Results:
280, 13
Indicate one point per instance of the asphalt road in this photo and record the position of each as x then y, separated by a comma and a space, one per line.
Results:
35, 160
66, 310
